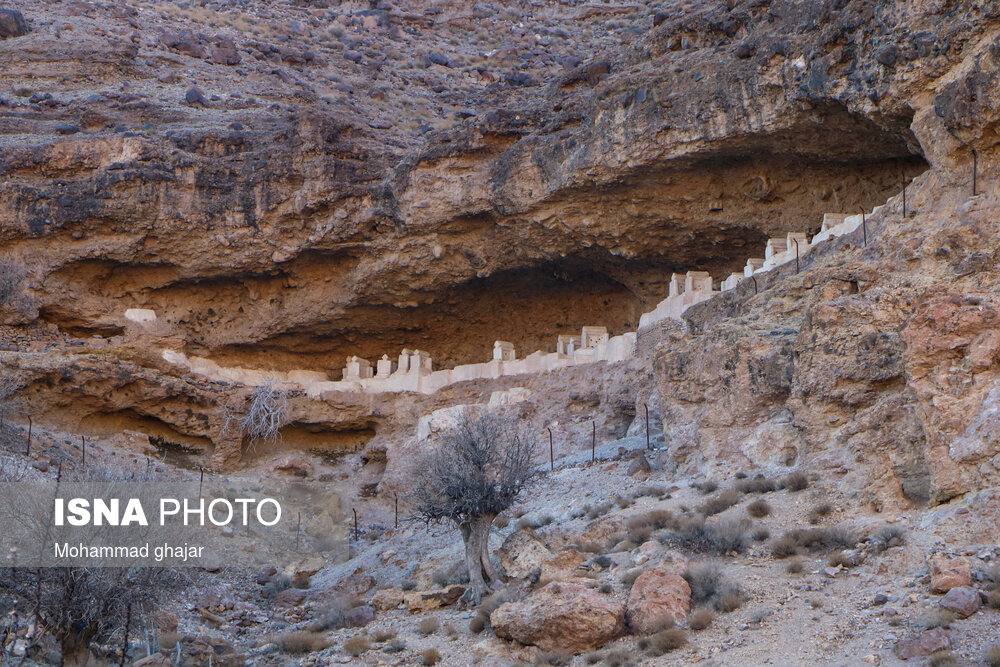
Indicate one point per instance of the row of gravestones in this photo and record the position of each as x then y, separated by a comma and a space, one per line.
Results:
413, 369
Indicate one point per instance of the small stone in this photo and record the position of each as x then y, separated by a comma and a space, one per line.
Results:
927, 643
195, 96
880, 599
353, 56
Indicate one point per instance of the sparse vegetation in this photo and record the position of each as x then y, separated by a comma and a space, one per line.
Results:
719, 503
758, 484
707, 487
629, 577
943, 659
887, 537
665, 641
300, 642
993, 599
759, 509
428, 626
761, 534
554, 658
695, 534
813, 539
710, 587
395, 646
383, 635
820, 511
938, 618
264, 415
796, 481
430, 656
795, 567
992, 656
356, 646
700, 618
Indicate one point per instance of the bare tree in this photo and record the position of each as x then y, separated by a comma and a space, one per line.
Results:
77, 605
477, 471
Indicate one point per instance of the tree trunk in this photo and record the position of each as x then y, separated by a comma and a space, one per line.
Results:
75, 649
476, 536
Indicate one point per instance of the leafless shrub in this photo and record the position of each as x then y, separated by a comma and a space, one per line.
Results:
938, 618
395, 646
599, 510
384, 635
665, 641
887, 537
554, 658
477, 471
796, 481
759, 508
700, 618
300, 642
795, 567
356, 646
784, 547
992, 657
629, 577
993, 599
820, 511
490, 603
430, 656
823, 539
943, 659
707, 487
265, 414
760, 534
428, 626
719, 503
710, 587
758, 484
456, 573
80, 605
653, 490
695, 534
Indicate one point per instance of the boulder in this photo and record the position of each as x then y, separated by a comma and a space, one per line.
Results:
963, 600
658, 597
387, 598
522, 552
930, 641
639, 466
12, 24
195, 96
420, 601
134, 441
948, 573
562, 566
561, 616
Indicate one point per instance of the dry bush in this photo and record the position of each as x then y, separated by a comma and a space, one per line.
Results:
333, 616
707, 487
943, 659
759, 509
758, 484
641, 526
760, 534
408, 585
481, 619
695, 534
938, 618
991, 577
665, 641
554, 658
355, 646
700, 618
430, 656
428, 626
624, 502
629, 577
618, 657
264, 415
710, 586
992, 656
449, 630
384, 635
300, 642
652, 490
823, 539
820, 511
456, 573
796, 481
841, 559
887, 537
795, 567
784, 547
395, 646
719, 503
993, 599
606, 589
590, 547
599, 510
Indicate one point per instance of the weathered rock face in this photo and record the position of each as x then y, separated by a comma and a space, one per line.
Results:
658, 598
561, 615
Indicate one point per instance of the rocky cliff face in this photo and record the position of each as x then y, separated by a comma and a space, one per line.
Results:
291, 183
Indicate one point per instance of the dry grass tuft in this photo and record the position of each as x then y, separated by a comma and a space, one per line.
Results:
665, 641
355, 646
700, 618
695, 534
300, 642
710, 587
719, 503
759, 509
993, 599
795, 567
758, 484
992, 656
428, 626
943, 659
430, 657
554, 658
796, 481
385, 635
938, 618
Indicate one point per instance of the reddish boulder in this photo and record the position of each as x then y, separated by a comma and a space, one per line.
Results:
658, 597
963, 600
948, 573
561, 616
